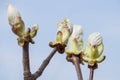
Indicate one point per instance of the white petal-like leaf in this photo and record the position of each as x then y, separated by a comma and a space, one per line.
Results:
12, 14
95, 39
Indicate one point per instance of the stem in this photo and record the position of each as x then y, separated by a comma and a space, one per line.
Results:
44, 64
76, 61
91, 73
26, 66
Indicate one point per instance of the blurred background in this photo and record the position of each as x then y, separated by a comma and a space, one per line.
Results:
93, 15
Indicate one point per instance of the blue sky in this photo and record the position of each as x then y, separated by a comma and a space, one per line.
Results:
93, 15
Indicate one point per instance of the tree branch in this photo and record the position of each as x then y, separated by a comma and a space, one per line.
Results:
26, 66
76, 61
44, 64
91, 73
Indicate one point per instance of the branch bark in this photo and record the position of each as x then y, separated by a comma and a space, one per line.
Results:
44, 64
76, 61
26, 66
91, 73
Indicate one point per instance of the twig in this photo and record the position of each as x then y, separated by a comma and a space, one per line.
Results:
92, 68
91, 73
76, 61
26, 66
44, 64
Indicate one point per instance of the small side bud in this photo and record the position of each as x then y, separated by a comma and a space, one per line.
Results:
34, 31
21, 41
